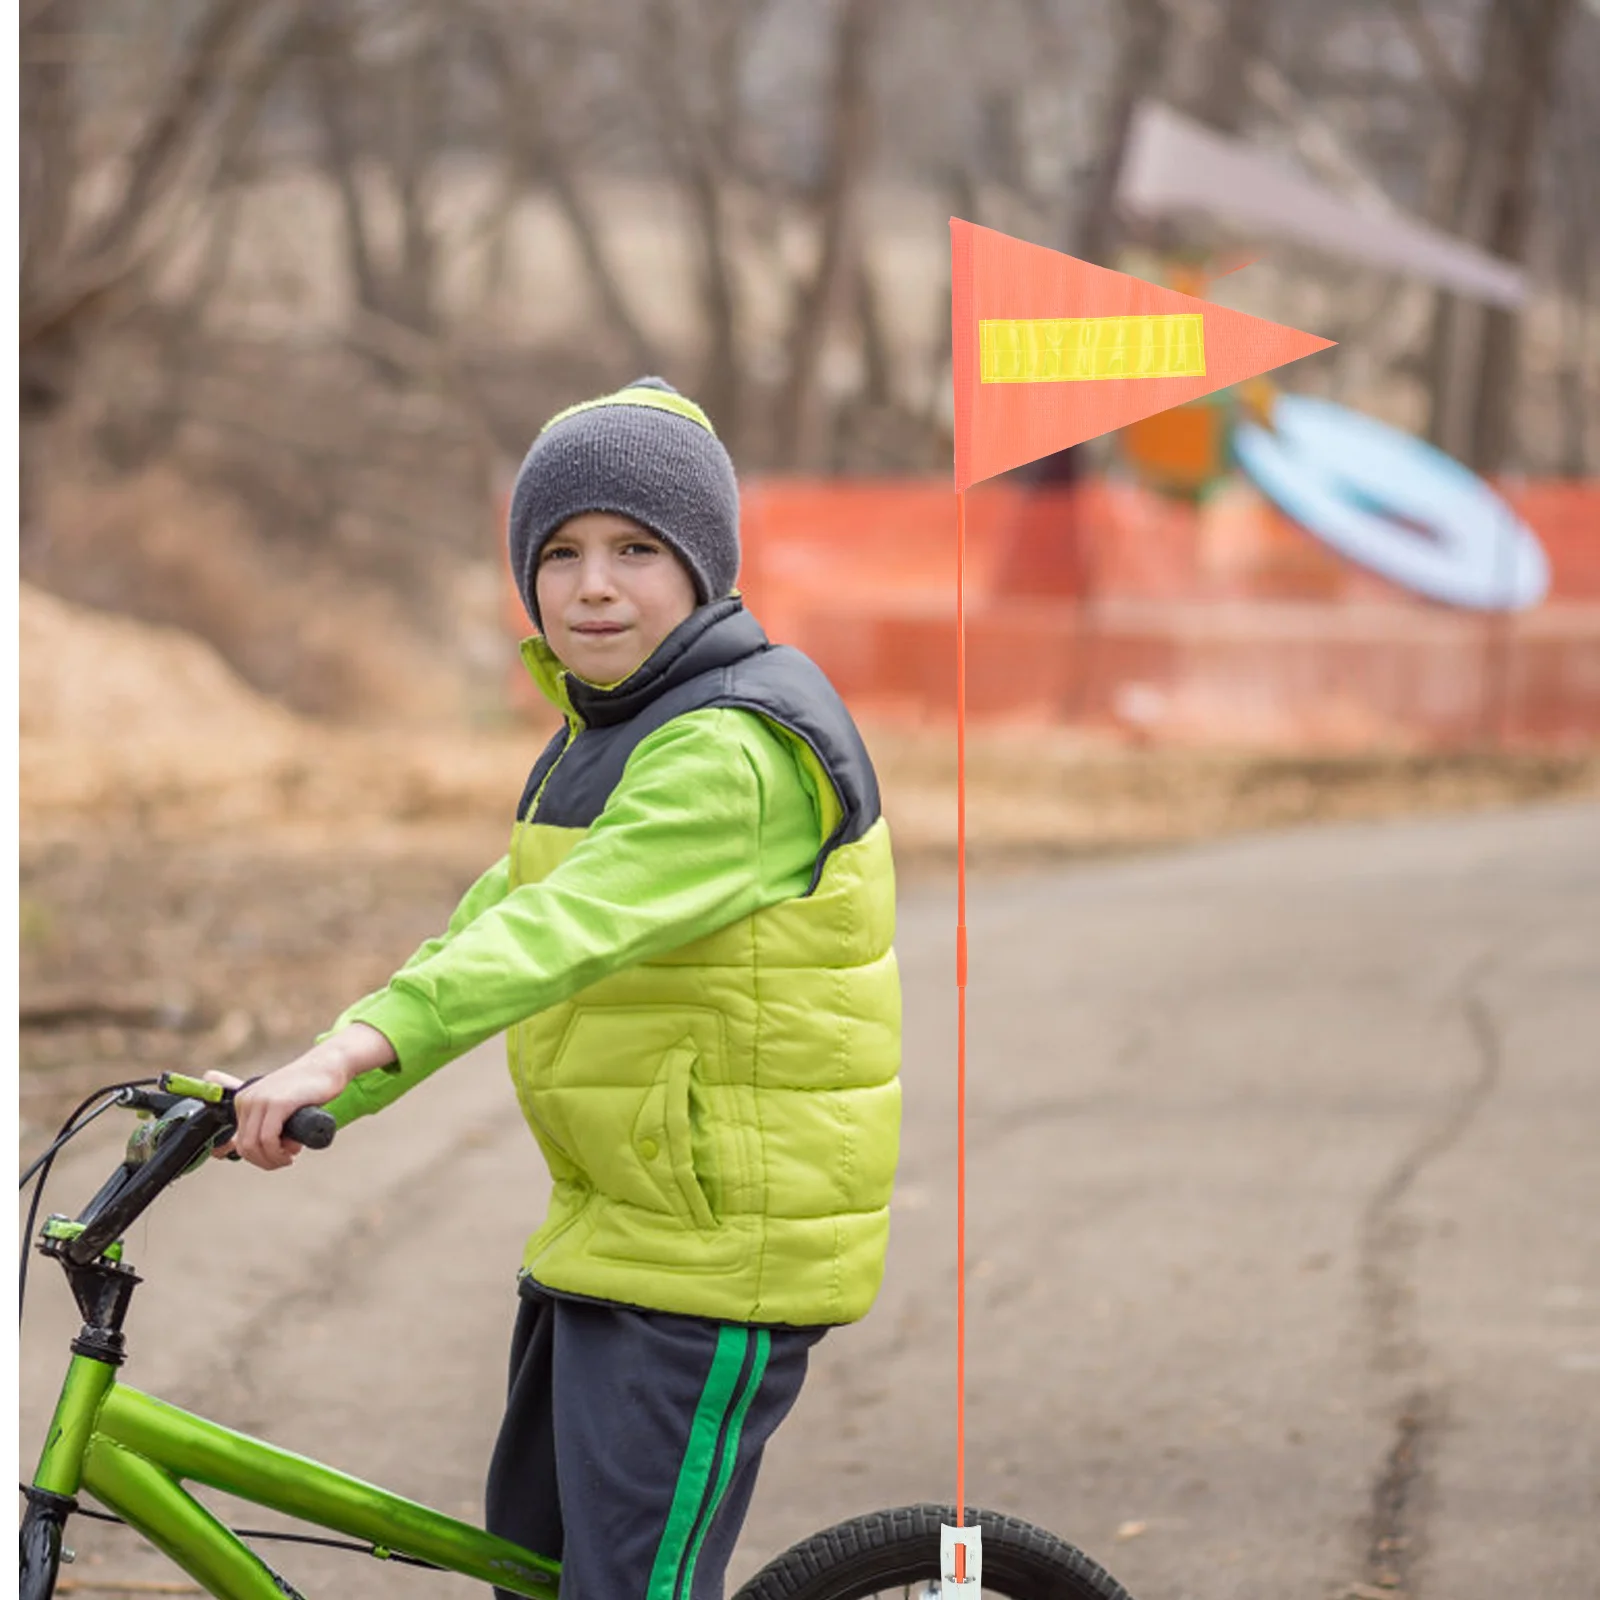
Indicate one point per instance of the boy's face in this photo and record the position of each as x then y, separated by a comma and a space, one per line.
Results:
609, 592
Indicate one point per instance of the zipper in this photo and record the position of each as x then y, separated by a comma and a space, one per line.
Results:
574, 728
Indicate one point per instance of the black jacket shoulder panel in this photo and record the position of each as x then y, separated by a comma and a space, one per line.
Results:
541, 770
774, 681
789, 688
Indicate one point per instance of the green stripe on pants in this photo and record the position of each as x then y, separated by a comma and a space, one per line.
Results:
730, 1453
698, 1462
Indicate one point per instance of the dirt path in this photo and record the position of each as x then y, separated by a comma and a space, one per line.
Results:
223, 918
1285, 1284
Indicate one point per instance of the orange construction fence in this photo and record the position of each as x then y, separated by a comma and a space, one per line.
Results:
1107, 606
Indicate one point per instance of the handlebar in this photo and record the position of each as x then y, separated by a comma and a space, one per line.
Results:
310, 1125
191, 1117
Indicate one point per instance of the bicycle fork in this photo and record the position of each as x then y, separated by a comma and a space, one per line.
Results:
41, 1547
102, 1289
52, 1496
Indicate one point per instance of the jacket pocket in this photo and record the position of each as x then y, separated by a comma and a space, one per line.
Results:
664, 1134
619, 1095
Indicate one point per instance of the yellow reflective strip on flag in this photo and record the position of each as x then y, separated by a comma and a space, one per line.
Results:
1076, 349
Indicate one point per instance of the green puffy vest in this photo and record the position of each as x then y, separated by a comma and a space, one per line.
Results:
721, 1124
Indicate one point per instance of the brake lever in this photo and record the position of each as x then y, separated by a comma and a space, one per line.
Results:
179, 1086
311, 1126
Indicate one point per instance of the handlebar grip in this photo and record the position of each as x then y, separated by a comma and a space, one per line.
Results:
311, 1126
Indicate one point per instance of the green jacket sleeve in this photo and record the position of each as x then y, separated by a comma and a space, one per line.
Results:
715, 817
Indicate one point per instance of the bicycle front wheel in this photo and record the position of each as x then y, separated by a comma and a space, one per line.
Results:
897, 1553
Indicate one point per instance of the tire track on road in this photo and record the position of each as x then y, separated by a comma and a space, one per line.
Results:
1397, 1353
340, 1271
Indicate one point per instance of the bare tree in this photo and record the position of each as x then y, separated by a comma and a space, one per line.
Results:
330, 49
536, 66
379, 80
1242, 36
691, 78
1473, 355
764, 134
1144, 28
1541, 26
837, 208
86, 266
46, 173
1574, 180
83, 259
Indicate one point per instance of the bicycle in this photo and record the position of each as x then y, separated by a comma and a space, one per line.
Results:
135, 1454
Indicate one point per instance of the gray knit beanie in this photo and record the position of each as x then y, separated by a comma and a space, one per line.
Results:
645, 452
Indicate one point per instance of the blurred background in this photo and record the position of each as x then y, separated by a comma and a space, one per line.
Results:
299, 282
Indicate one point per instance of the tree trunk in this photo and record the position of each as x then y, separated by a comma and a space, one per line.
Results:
208, 66
1574, 375
417, 96
47, 151
1473, 352
68, 279
1580, 362
46, 174
1141, 62
802, 413
530, 107
720, 379
1223, 97
699, 144
334, 89
876, 356
572, 202
1543, 23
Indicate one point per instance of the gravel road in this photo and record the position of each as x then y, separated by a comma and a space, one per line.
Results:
1284, 1239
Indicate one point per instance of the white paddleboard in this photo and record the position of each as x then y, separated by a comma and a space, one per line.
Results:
1394, 504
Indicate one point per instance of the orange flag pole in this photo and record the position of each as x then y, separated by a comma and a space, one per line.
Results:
1047, 351
961, 1023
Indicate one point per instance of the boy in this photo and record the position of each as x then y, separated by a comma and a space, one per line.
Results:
690, 943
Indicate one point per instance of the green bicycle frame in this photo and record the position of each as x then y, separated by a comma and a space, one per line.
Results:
134, 1454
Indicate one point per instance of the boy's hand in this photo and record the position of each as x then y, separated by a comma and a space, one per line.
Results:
313, 1079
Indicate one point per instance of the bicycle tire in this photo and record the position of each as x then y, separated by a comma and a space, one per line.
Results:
889, 1552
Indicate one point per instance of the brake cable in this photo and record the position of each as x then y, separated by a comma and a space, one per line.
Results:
377, 1551
70, 1129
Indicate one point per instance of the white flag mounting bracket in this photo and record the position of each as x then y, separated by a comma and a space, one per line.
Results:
961, 1560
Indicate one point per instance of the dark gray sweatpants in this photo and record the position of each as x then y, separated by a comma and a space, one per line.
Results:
631, 1442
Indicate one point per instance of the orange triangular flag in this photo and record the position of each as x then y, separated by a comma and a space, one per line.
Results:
1049, 351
